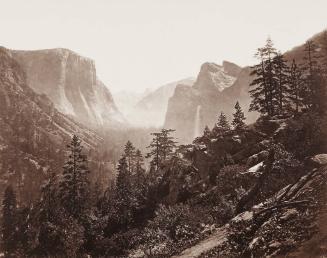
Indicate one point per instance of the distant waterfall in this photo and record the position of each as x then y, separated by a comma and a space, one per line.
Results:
197, 129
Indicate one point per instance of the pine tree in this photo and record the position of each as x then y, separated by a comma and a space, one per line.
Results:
265, 82
155, 151
161, 147
314, 94
239, 118
139, 161
168, 143
295, 87
123, 202
281, 71
204, 139
129, 153
223, 122
74, 184
140, 178
9, 216
123, 183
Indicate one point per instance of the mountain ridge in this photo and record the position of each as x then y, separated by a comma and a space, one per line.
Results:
71, 83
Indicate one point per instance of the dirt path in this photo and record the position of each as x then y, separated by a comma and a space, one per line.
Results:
205, 245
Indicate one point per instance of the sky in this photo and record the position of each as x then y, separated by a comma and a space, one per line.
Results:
140, 44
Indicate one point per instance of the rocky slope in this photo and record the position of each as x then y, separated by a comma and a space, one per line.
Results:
288, 223
263, 186
216, 89
70, 82
33, 133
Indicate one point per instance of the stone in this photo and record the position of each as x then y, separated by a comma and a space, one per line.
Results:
319, 159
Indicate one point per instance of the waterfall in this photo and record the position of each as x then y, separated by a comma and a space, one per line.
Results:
197, 129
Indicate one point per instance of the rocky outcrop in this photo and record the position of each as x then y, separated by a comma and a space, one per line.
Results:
33, 133
214, 77
70, 82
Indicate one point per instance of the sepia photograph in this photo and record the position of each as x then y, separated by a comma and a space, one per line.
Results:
163, 129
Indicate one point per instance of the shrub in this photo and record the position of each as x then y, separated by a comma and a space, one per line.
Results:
173, 228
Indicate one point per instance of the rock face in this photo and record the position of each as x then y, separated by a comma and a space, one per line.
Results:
33, 133
214, 77
216, 89
71, 83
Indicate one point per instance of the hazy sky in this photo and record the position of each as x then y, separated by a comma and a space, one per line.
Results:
140, 44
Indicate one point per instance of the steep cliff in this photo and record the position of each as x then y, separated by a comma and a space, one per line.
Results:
33, 133
70, 82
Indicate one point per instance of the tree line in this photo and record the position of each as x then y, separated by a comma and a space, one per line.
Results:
281, 88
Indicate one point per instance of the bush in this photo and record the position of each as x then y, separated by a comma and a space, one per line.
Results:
231, 185
173, 228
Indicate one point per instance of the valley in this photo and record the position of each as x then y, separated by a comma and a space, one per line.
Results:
230, 163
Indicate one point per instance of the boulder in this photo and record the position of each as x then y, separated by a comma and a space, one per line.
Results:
257, 158
318, 160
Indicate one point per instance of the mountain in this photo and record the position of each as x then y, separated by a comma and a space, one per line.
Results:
216, 89
151, 109
33, 133
70, 82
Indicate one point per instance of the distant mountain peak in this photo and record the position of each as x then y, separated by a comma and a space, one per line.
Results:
213, 77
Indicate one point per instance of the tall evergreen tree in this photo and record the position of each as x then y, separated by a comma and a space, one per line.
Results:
129, 152
295, 87
239, 118
123, 200
168, 143
223, 122
74, 184
139, 171
281, 71
8, 227
222, 126
315, 93
161, 147
139, 161
155, 151
140, 178
264, 83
